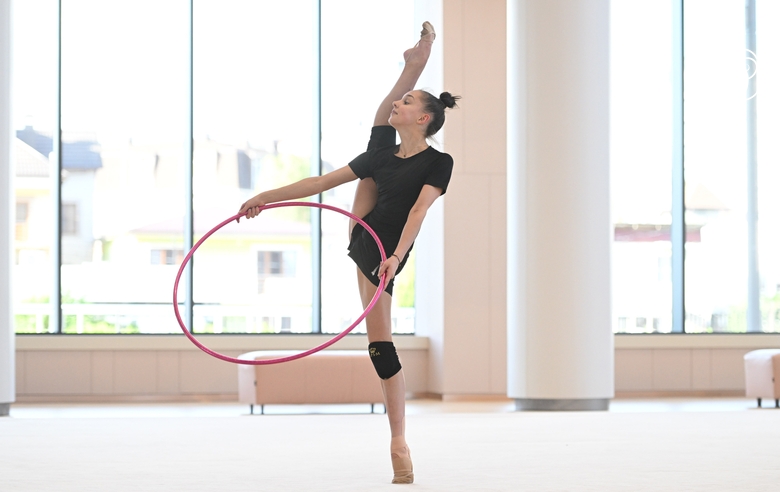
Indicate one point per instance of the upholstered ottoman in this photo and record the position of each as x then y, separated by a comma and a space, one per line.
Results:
327, 376
762, 375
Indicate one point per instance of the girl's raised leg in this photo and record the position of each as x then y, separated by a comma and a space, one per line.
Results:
415, 59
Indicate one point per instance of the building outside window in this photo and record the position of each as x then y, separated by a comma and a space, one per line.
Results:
274, 265
70, 219
167, 256
22, 215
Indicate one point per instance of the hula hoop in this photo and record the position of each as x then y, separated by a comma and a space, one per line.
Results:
330, 342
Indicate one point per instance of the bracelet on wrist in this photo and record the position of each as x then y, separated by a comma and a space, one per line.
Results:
396, 257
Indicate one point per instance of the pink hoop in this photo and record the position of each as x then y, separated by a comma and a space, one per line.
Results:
330, 342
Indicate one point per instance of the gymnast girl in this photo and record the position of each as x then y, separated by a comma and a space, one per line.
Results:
398, 183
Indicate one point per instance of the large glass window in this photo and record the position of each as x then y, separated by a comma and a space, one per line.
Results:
730, 277
119, 188
123, 136
254, 105
641, 149
356, 76
716, 265
35, 107
767, 97
731, 157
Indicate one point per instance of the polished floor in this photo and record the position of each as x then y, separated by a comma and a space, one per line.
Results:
713, 444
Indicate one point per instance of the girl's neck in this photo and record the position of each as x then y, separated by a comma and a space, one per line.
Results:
411, 145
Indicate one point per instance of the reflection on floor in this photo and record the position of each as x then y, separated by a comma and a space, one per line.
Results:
414, 407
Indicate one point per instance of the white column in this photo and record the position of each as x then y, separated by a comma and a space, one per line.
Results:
7, 354
560, 352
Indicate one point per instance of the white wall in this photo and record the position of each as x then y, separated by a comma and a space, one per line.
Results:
685, 364
170, 368
471, 359
165, 367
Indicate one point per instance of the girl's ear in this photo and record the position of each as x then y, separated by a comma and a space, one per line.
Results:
425, 118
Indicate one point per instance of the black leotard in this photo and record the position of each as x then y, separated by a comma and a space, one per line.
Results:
399, 182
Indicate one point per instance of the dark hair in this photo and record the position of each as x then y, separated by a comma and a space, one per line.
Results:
435, 106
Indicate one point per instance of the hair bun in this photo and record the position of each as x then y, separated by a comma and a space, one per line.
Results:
448, 99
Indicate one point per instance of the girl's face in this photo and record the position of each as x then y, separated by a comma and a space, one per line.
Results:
408, 111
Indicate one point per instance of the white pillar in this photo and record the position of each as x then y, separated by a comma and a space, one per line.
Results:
560, 353
7, 359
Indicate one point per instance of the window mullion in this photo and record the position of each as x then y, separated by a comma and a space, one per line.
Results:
189, 234
753, 287
56, 302
316, 170
678, 170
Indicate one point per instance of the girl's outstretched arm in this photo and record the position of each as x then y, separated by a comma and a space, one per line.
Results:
300, 189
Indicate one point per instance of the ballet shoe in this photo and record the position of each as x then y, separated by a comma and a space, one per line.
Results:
403, 471
402, 460
427, 29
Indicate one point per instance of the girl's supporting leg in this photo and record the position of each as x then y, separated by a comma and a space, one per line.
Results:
379, 330
415, 59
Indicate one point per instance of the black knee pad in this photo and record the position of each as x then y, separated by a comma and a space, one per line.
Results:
385, 359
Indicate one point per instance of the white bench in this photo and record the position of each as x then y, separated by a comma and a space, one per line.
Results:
327, 376
762, 375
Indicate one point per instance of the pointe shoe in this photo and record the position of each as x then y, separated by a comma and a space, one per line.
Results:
403, 471
426, 30
428, 34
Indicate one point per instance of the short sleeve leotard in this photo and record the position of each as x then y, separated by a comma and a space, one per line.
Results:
399, 182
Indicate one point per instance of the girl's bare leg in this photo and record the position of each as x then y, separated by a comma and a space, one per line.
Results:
379, 330
415, 59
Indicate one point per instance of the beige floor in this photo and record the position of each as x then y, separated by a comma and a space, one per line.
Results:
670, 445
